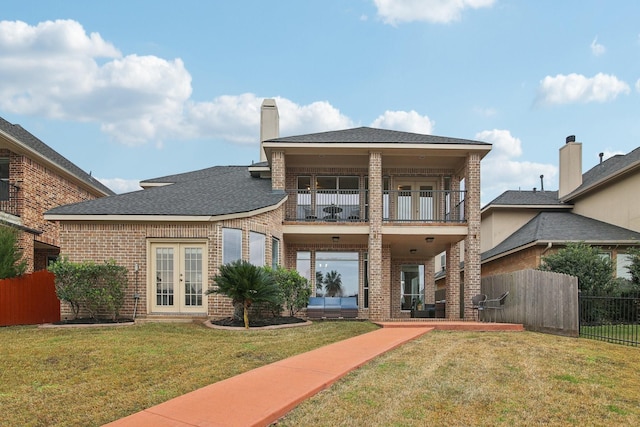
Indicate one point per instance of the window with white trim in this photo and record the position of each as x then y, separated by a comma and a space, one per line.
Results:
231, 245
256, 248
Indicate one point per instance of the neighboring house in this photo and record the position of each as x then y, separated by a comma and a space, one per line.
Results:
600, 207
33, 179
360, 212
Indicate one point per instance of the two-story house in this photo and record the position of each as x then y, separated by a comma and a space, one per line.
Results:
360, 212
599, 207
33, 179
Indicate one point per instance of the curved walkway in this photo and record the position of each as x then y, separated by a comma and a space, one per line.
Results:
261, 396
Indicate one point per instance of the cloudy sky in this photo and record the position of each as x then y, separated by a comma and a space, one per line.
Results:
131, 90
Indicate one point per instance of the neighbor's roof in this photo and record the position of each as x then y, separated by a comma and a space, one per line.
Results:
527, 198
369, 135
34, 144
606, 170
219, 190
563, 227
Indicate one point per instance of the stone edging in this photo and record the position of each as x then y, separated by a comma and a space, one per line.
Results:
208, 324
84, 325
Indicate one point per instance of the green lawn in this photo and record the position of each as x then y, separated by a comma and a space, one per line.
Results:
91, 376
86, 377
485, 379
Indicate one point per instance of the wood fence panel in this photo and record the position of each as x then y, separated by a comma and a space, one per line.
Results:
29, 300
540, 300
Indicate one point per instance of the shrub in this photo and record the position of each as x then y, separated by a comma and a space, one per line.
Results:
593, 271
91, 286
293, 290
11, 262
245, 284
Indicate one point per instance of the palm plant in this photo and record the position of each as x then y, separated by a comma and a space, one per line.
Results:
245, 284
333, 283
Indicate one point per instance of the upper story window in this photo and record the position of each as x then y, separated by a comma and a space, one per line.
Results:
337, 183
4, 178
231, 245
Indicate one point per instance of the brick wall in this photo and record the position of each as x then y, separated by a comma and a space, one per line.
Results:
41, 189
127, 244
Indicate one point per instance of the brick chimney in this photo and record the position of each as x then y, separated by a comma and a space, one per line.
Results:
570, 166
269, 124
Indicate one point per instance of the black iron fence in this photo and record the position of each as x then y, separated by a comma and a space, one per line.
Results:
611, 319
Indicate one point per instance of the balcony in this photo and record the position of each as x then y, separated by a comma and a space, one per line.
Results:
9, 198
352, 206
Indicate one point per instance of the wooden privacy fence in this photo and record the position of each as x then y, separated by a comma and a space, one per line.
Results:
29, 300
540, 300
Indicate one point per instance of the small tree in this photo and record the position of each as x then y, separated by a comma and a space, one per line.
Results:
634, 267
245, 284
594, 272
293, 290
11, 262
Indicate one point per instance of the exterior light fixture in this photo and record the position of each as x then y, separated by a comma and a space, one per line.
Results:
413, 251
430, 239
335, 239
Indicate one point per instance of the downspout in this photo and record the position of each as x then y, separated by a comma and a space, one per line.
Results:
549, 244
136, 295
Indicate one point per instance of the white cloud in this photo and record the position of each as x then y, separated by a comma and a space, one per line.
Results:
638, 85
572, 88
119, 185
409, 121
438, 11
501, 171
52, 69
596, 48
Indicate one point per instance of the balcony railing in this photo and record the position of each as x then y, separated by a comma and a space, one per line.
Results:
9, 198
397, 206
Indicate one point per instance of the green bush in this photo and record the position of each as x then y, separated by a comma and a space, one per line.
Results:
94, 287
293, 290
594, 272
11, 262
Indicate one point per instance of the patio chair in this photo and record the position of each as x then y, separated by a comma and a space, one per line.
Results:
477, 304
496, 305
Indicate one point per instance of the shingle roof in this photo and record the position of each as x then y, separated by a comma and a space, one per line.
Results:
524, 198
373, 135
562, 227
22, 135
219, 190
609, 167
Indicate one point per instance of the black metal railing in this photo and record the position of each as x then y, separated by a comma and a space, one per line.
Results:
397, 206
423, 206
611, 319
9, 198
327, 205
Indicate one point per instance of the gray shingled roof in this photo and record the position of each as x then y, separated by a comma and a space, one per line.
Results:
607, 168
373, 135
219, 190
524, 198
562, 227
22, 135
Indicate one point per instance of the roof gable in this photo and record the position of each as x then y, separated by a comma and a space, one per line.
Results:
563, 227
48, 153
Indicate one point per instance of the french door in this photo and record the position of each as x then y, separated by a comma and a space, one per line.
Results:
177, 274
415, 201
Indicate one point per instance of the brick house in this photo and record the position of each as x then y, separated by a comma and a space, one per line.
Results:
33, 179
366, 208
598, 207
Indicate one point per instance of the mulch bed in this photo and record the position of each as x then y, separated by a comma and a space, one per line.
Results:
257, 323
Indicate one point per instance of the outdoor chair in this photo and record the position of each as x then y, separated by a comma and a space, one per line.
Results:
477, 304
496, 305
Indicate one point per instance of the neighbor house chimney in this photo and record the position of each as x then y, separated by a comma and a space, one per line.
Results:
570, 166
269, 124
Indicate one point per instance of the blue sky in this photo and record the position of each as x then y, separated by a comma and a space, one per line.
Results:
131, 90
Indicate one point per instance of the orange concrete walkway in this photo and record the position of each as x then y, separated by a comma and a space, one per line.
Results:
261, 396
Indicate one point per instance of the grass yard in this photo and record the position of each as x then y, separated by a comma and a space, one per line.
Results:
485, 379
620, 333
91, 376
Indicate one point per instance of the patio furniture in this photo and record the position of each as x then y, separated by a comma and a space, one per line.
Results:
332, 307
315, 308
496, 305
428, 311
477, 304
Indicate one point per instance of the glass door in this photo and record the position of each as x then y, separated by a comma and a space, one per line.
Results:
411, 286
177, 277
415, 201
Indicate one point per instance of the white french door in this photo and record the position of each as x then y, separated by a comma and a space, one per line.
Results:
415, 201
177, 274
